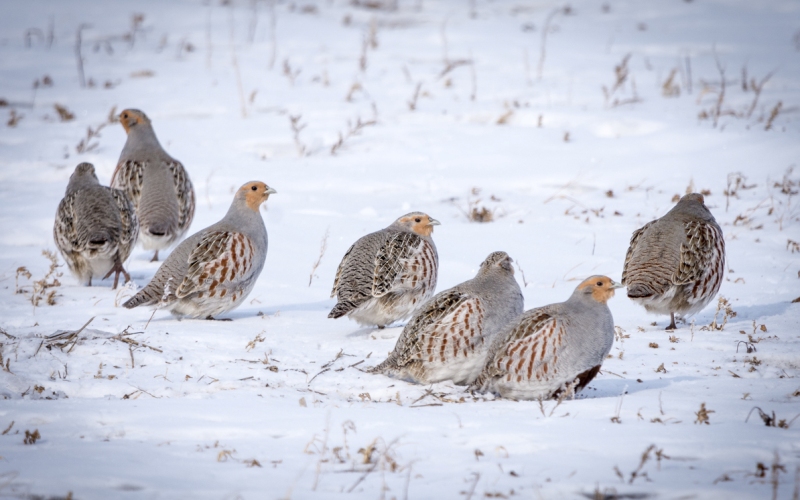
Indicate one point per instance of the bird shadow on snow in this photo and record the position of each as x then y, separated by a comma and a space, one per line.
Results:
387, 332
612, 388
745, 313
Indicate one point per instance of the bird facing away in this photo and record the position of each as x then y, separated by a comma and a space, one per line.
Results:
214, 270
552, 348
95, 227
675, 264
448, 338
156, 183
387, 274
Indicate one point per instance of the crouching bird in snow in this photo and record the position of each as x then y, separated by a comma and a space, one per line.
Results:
214, 270
553, 348
448, 338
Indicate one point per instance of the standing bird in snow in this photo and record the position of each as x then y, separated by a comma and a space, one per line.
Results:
214, 270
156, 183
387, 274
675, 264
95, 227
448, 338
552, 348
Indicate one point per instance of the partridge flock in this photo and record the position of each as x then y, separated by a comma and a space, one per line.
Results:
474, 334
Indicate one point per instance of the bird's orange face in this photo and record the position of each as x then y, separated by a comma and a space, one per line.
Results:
601, 288
256, 193
420, 223
130, 118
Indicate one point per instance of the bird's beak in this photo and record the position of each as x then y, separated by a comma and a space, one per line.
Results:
270, 190
615, 285
433, 222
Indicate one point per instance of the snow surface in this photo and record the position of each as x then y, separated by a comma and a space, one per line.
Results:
274, 404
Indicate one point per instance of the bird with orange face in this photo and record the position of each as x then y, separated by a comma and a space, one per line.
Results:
214, 270
553, 348
157, 184
388, 274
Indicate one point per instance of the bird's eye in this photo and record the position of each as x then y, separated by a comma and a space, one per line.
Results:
417, 219
125, 116
599, 283
254, 188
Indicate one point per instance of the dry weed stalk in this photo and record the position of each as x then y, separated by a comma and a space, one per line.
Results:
543, 45
669, 88
621, 74
79, 54
735, 182
297, 127
290, 73
703, 414
64, 114
252, 344
659, 455
773, 114
354, 129
412, 103
475, 212
235, 62
14, 118
723, 306
39, 288
31, 437
771, 420
322, 248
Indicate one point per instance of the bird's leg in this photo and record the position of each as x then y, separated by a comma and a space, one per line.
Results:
90, 281
155, 257
672, 324
117, 269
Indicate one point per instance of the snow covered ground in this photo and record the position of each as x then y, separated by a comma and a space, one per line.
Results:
572, 124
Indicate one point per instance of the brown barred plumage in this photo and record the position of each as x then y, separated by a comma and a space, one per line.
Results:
675, 264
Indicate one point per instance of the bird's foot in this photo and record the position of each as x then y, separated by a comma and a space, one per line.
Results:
672, 323
155, 257
117, 269
212, 318
381, 327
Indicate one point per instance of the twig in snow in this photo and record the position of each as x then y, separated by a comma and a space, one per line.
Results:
78, 52
235, 63
543, 50
323, 246
355, 129
297, 127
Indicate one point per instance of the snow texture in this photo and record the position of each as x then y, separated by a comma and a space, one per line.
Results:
514, 107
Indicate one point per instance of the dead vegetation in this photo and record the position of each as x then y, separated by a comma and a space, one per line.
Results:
770, 420
41, 289
354, 129
476, 210
751, 89
31, 437
650, 453
297, 127
621, 74
377, 455
724, 308
702, 415
323, 246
